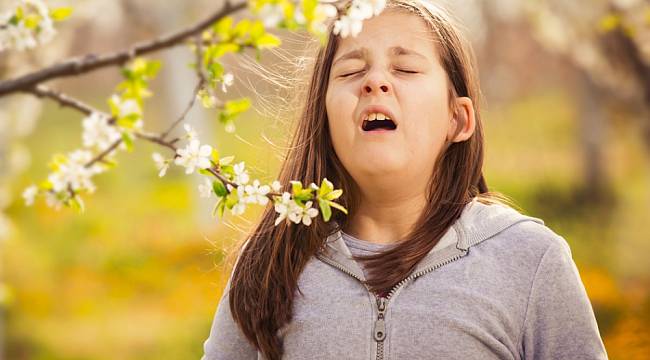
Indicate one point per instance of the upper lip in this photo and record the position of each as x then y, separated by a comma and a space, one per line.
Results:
376, 109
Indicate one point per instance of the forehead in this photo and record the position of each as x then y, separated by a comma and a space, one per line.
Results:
394, 30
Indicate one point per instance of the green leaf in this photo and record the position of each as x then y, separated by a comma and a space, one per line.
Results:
128, 141
232, 199
223, 49
257, 30
309, 8
338, 206
219, 188
325, 209
333, 194
31, 21
152, 68
296, 186
234, 107
60, 14
267, 41
223, 27
242, 28
20, 13
215, 70
77, 204
57, 160
226, 160
205, 172
325, 187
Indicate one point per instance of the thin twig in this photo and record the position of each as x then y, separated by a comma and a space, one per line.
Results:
63, 99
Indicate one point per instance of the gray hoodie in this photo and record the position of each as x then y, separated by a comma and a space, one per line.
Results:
499, 285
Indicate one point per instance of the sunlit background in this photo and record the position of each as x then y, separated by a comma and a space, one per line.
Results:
139, 274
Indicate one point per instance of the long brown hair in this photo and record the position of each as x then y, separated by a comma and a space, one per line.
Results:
266, 273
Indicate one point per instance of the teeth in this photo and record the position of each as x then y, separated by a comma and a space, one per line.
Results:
377, 116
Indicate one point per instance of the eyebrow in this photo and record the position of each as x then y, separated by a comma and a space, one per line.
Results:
394, 51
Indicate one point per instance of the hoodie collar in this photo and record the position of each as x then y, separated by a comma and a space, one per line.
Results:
477, 222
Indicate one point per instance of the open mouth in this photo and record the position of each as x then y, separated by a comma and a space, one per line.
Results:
378, 125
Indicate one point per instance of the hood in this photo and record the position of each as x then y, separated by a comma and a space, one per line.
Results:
477, 222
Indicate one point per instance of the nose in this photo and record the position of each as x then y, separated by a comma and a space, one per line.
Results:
376, 83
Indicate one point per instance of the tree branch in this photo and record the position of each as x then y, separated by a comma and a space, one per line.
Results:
90, 62
63, 99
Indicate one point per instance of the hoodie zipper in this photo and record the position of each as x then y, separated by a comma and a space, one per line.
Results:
382, 302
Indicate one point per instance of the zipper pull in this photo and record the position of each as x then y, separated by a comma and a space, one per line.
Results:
380, 326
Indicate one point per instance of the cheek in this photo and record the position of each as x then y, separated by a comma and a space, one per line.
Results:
340, 107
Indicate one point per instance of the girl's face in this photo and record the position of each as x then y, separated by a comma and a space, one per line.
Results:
392, 64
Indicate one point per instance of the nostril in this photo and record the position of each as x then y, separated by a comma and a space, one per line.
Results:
384, 88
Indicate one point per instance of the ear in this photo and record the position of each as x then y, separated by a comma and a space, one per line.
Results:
463, 120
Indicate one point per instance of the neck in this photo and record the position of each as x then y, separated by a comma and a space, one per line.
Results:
384, 220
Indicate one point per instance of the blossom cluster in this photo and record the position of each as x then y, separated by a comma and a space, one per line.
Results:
351, 22
29, 25
73, 172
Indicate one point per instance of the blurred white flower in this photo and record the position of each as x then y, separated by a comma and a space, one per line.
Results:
256, 194
351, 23
190, 132
194, 155
162, 164
205, 189
276, 186
228, 80
52, 199
19, 35
29, 194
126, 107
98, 133
230, 127
74, 172
271, 15
347, 25
241, 175
240, 207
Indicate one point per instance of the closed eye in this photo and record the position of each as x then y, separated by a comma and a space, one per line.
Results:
350, 74
407, 71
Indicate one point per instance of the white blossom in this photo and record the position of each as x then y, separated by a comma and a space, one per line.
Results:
194, 155
230, 127
352, 22
53, 200
74, 173
228, 80
241, 175
271, 14
98, 133
190, 132
347, 25
126, 107
205, 189
307, 213
287, 208
19, 36
240, 207
29, 194
162, 164
256, 194
276, 186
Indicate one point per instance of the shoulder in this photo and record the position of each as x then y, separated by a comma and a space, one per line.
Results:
527, 243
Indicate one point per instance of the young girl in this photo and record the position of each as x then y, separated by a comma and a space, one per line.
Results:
428, 263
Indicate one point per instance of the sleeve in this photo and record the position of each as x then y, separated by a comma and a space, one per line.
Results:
559, 321
226, 341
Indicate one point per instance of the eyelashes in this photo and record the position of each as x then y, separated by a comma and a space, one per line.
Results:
400, 70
